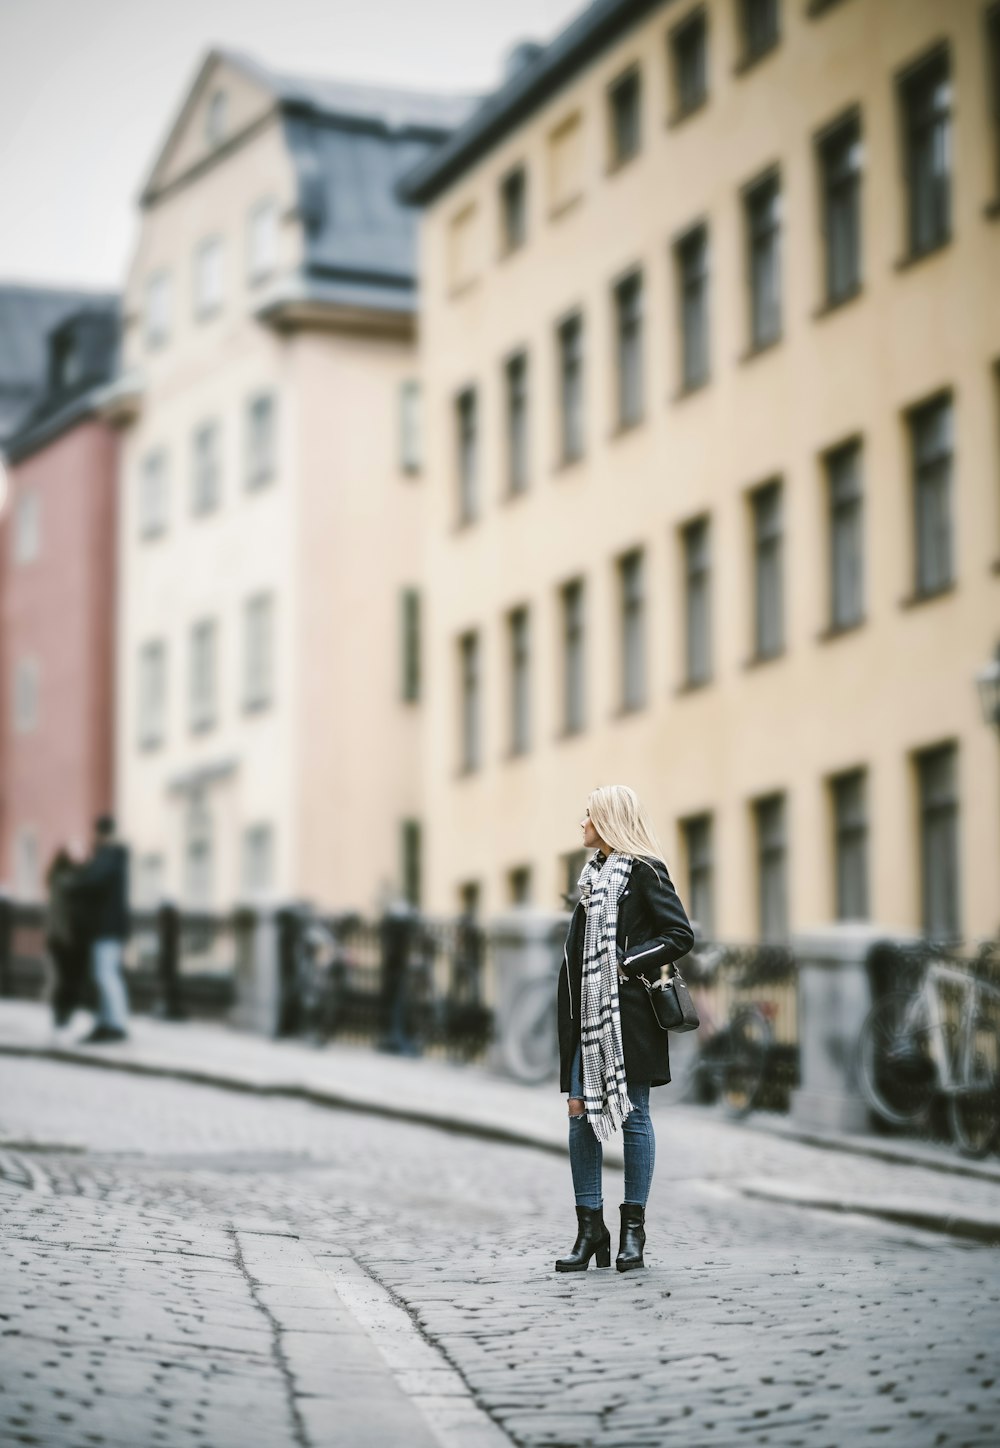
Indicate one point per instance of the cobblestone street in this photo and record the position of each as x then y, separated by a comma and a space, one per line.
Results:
188, 1265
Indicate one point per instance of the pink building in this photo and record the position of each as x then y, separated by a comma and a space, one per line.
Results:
57, 596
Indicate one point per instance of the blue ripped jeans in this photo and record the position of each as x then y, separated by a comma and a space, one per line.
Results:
586, 1156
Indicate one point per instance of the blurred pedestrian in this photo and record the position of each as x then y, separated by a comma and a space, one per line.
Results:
66, 940
629, 922
398, 933
102, 884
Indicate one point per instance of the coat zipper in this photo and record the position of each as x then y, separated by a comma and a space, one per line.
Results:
651, 951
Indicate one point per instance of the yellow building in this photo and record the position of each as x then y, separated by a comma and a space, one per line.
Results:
269, 683
709, 343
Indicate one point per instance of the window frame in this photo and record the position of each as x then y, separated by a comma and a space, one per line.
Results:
690, 379
628, 83
832, 192
260, 463
697, 572
468, 454
633, 643
517, 423
907, 81
844, 497
571, 361
203, 675
768, 536
629, 301
927, 473
259, 643
696, 24
755, 235
153, 702
513, 206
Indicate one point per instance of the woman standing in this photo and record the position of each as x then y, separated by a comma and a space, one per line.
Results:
629, 922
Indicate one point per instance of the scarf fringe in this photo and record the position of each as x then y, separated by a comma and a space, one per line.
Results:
609, 1122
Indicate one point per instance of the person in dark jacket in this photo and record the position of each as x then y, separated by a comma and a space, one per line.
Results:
102, 885
65, 939
628, 925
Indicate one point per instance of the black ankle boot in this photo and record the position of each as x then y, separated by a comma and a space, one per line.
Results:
591, 1236
633, 1238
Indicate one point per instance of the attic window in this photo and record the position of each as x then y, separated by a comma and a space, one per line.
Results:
215, 119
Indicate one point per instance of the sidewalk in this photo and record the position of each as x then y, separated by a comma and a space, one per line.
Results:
923, 1185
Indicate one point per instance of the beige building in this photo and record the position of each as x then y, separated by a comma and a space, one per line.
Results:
709, 341
269, 684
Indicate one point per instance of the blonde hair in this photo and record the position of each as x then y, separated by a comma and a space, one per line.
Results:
621, 822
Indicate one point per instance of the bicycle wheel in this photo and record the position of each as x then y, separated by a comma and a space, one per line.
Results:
974, 1107
530, 1043
895, 1067
741, 1070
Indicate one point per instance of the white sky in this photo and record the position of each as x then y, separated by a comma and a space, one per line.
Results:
88, 89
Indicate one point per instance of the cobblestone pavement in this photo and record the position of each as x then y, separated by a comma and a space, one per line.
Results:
755, 1322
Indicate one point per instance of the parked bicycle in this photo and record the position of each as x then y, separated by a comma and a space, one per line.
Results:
941, 1039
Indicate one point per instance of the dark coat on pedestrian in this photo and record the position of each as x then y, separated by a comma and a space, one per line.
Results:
653, 931
103, 885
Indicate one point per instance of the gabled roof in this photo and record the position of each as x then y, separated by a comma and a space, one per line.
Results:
350, 144
81, 356
531, 85
27, 316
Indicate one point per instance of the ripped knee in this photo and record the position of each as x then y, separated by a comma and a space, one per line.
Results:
576, 1107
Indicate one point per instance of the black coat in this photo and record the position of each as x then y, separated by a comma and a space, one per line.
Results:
653, 930
102, 887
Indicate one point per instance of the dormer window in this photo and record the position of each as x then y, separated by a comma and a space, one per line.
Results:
215, 119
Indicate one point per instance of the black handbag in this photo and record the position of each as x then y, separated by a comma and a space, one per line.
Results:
671, 1003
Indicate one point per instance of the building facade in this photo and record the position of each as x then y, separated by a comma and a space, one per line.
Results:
709, 348
268, 700
57, 606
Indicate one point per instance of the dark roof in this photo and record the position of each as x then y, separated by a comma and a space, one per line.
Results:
27, 316
386, 106
531, 85
81, 357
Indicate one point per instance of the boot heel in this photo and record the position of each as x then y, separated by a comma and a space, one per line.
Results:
604, 1254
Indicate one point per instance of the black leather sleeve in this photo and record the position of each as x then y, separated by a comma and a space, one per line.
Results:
670, 934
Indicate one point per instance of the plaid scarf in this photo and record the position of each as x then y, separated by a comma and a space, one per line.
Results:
605, 1092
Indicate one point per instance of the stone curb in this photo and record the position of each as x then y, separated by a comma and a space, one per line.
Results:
972, 1226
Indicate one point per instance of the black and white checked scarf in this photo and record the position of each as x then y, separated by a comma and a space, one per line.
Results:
605, 1091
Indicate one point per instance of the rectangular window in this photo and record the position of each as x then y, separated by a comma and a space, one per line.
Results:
772, 867
628, 328
571, 388
410, 861
633, 630
759, 23
154, 494
940, 878
27, 527
932, 451
26, 695
468, 456
258, 861
513, 210
698, 847
150, 882
625, 117
152, 694
411, 456
763, 221
697, 597
769, 630
925, 99
469, 899
27, 872
691, 255
208, 278
261, 440
516, 388
469, 683
850, 823
566, 163
410, 651
206, 469
199, 854
203, 675
571, 866
258, 651
839, 154
689, 64
519, 645
262, 241
519, 885
574, 701
157, 313
845, 511
463, 250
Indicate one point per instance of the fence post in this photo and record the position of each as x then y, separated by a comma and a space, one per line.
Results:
168, 924
287, 1014
6, 940
833, 1000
